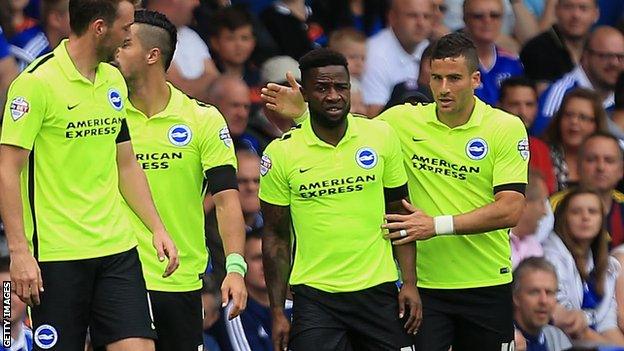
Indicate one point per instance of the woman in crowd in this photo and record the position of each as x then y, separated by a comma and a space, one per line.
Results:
580, 115
578, 248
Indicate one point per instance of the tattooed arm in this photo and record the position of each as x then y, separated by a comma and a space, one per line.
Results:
276, 261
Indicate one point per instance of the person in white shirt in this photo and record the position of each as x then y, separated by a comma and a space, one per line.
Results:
393, 55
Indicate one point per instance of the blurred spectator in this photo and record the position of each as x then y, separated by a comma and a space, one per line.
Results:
393, 55
232, 42
24, 34
211, 301
532, 17
601, 63
357, 104
558, 50
407, 92
580, 115
535, 297
21, 335
522, 239
454, 17
231, 96
252, 329
610, 12
248, 176
578, 248
351, 44
617, 117
367, 16
601, 165
518, 96
439, 28
287, 21
8, 69
192, 68
483, 24
55, 20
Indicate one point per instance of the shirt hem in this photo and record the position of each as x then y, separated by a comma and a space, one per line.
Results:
71, 256
467, 285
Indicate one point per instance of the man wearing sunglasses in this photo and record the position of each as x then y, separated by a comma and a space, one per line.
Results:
483, 20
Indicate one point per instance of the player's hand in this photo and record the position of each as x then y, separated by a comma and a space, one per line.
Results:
26, 277
165, 248
417, 225
280, 331
286, 101
233, 288
409, 298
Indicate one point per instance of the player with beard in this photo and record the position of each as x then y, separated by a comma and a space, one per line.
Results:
331, 180
66, 167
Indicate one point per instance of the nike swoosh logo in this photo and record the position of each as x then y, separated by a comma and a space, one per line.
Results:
303, 170
71, 107
417, 140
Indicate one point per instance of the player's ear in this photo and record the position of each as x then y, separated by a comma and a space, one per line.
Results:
475, 77
153, 56
99, 27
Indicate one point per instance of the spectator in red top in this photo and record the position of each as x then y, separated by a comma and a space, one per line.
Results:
518, 96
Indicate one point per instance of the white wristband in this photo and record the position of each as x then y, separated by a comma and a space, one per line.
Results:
443, 225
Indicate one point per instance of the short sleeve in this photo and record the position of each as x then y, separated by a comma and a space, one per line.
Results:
215, 143
274, 186
24, 111
511, 154
394, 170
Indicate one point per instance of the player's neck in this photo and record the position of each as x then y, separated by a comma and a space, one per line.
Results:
83, 53
149, 93
459, 118
330, 135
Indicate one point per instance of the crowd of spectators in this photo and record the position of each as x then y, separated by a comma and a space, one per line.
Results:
556, 64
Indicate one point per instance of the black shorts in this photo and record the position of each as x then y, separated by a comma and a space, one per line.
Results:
362, 320
179, 318
467, 319
106, 294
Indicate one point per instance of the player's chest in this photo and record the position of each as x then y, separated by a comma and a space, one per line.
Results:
89, 112
161, 144
336, 171
448, 153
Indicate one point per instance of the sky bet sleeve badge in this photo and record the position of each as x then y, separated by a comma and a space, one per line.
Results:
19, 107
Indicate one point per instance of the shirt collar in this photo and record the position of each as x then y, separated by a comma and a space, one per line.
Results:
69, 68
312, 139
474, 121
172, 108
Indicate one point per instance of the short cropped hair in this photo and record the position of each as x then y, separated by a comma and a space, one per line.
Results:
531, 264
160, 33
321, 58
456, 44
83, 12
342, 35
515, 82
231, 18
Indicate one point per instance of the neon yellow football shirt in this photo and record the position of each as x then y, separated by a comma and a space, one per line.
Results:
71, 201
457, 170
336, 199
175, 147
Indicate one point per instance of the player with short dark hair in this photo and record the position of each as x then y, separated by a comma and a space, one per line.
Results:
467, 172
331, 179
66, 169
185, 148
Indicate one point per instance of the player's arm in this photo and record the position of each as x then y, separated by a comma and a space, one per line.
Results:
406, 257
276, 261
25, 272
135, 190
223, 186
